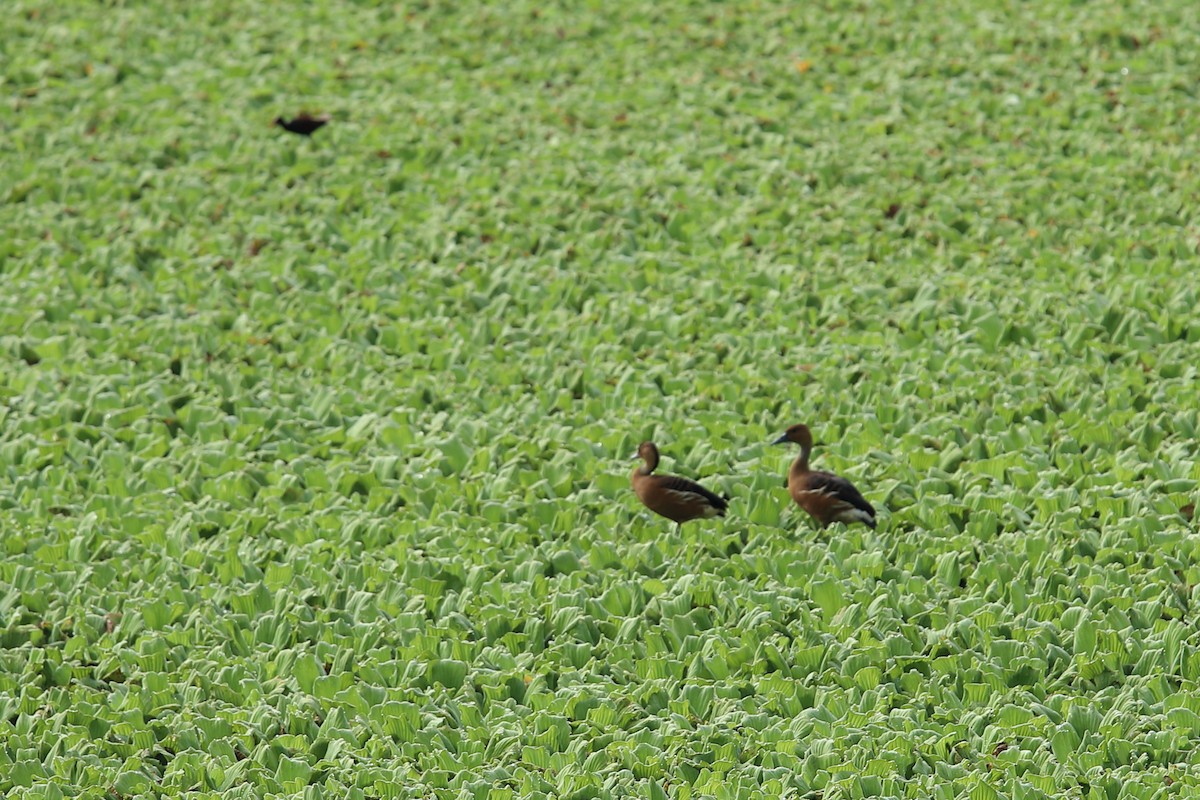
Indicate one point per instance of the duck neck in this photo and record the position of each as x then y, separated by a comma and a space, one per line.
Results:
649, 464
800, 465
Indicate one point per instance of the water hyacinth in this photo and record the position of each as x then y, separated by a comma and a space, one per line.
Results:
312, 453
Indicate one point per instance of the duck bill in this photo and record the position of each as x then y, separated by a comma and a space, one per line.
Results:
781, 440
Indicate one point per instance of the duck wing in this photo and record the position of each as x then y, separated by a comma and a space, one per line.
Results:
837, 487
674, 483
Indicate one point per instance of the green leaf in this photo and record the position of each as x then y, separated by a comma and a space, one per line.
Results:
292, 773
306, 670
828, 595
448, 673
456, 454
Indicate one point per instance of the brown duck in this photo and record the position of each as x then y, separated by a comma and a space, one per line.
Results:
678, 499
826, 497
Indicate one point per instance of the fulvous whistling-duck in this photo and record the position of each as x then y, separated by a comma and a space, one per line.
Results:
678, 499
303, 123
826, 497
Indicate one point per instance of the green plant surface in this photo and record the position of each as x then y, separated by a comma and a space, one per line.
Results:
313, 474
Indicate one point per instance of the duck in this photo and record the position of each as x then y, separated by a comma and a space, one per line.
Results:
671, 496
304, 124
826, 497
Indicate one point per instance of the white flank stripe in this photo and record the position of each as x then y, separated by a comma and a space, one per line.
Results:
854, 515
